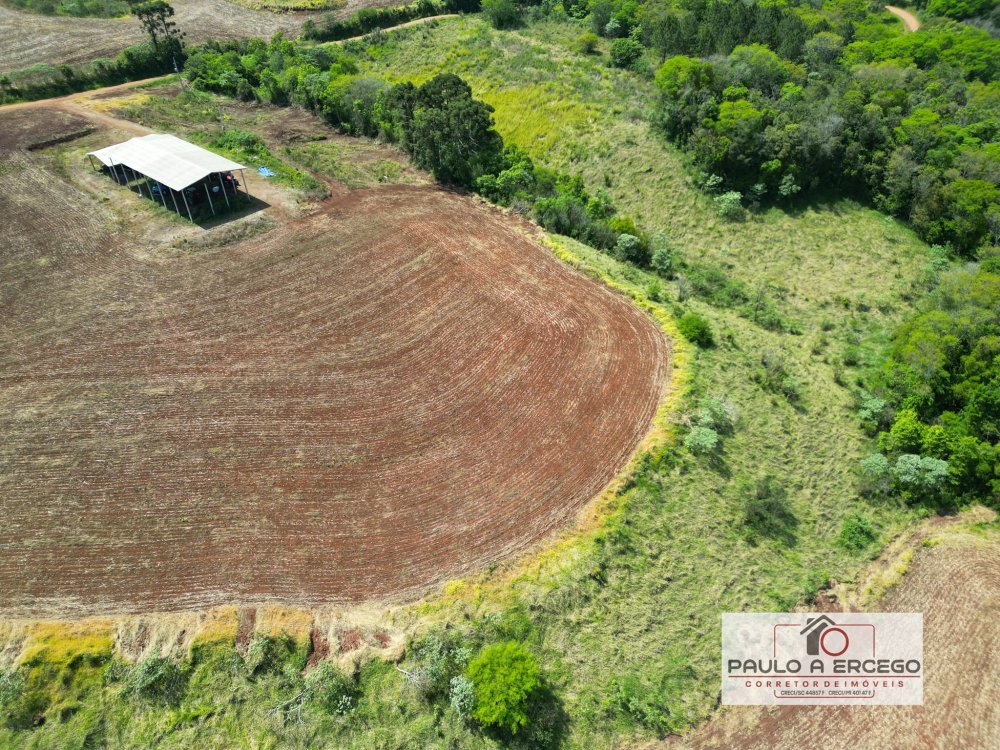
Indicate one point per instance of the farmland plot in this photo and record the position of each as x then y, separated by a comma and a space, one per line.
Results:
392, 390
29, 38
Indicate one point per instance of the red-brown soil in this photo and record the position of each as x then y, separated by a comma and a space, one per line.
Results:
393, 390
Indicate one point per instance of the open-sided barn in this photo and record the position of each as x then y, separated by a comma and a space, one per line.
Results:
168, 165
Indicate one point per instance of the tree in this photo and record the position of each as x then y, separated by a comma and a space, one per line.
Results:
661, 29
702, 440
587, 43
696, 330
729, 205
505, 676
625, 52
155, 15
451, 134
503, 14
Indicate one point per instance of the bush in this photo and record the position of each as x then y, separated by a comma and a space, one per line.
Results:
462, 696
663, 262
630, 249
729, 205
587, 43
696, 330
155, 677
856, 533
715, 413
702, 440
505, 676
503, 14
625, 53
329, 688
876, 474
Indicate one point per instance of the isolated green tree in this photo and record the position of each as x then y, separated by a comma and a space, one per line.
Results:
155, 15
451, 134
504, 676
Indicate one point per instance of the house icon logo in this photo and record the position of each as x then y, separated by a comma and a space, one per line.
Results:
823, 634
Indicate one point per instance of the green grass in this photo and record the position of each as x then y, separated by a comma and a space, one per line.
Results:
207, 119
625, 619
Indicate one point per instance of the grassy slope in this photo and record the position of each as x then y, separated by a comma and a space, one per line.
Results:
845, 268
629, 628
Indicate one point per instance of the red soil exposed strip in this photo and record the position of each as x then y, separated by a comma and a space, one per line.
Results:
386, 394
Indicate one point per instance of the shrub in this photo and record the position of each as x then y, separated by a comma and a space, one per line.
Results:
696, 330
462, 696
503, 14
625, 53
856, 533
504, 676
715, 413
702, 440
331, 689
920, 475
629, 248
729, 205
587, 43
155, 677
876, 474
663, 262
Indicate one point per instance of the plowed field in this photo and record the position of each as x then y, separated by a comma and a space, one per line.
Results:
397, 388
29, 38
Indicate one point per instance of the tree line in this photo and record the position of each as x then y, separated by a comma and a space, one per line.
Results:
439, 123
909, 121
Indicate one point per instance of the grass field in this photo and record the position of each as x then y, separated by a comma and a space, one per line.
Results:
953, 578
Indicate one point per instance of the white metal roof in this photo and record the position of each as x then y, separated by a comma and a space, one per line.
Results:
166, 159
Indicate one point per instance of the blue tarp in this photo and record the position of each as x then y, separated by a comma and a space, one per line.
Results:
265, 172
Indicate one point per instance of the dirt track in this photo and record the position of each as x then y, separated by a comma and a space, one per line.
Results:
383, 394
910, 21
28, 38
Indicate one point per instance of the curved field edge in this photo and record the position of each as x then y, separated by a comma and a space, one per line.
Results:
22, 640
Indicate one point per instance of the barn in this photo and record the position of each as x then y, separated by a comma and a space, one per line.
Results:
171, 168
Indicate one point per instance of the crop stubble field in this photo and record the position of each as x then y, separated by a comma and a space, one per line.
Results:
393, 389
29, 38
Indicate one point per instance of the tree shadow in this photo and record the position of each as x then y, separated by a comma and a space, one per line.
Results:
548, 725
766, 513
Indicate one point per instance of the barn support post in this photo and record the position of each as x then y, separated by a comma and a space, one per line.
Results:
114, 173
173, 195
225, 192
138, 183
162, 196
246, 188
184, 196
92, 165
209, 194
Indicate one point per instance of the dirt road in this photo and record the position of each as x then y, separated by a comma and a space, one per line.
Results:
910, 21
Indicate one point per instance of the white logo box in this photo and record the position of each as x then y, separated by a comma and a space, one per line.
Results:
825, 659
